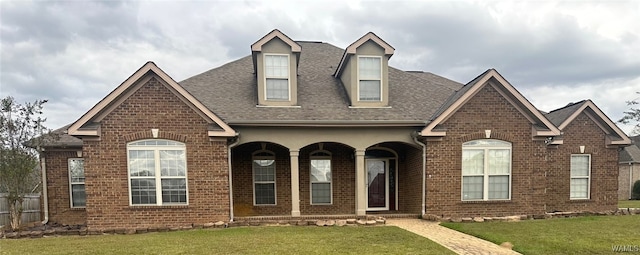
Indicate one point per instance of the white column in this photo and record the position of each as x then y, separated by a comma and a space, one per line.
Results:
295, 183
361, 188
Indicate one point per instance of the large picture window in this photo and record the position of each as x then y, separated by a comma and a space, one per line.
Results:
320, 176
580, 176
264, 178
369, 78
76, 183
277, 77
486, 170
157, 172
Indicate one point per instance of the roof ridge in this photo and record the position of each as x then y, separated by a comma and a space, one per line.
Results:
568, 105
305, 41
431, 81
474, 80
215, 68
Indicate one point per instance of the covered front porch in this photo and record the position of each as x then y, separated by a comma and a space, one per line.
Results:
326, 179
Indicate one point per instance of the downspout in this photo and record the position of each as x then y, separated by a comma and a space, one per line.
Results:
234, 144
630, 179
424, 171
45, 196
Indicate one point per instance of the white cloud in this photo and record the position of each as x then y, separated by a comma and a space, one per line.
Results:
74, 53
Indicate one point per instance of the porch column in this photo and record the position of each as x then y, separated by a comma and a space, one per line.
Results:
295, 183
361, 188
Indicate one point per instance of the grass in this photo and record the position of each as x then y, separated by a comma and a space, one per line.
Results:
629, 204
581, 235
241, 240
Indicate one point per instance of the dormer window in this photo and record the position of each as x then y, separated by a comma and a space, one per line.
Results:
370, 78
277, 76
275, 64
364, 72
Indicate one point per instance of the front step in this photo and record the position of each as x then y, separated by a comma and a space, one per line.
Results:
327, 217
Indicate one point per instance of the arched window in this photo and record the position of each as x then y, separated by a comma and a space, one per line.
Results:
320, 177
157, 172
486, 170
264, 178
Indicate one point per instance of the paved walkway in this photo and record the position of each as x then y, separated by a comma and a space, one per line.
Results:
453, 240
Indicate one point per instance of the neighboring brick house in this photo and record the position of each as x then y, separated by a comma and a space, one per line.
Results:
306, 129
629, 166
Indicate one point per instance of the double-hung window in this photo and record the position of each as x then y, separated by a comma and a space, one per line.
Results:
321, 190
264, 178
369, 78
580, 176
486, 170
157, 172
76, 183
277, 77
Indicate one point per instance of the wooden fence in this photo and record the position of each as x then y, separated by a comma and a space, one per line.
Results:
30, 206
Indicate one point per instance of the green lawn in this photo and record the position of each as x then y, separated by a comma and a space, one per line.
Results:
240, 240
629, 203
581, 235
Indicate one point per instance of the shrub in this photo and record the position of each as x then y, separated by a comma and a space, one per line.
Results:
635, 193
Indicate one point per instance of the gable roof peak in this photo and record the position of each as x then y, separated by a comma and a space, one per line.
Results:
541, 125
104, 106
257, 46
570, 105
370, 36
564, 116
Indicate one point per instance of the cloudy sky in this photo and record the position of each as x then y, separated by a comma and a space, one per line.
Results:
73, 53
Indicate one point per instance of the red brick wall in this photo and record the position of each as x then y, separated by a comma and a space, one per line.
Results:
583, 131
243, 181
154, 106
487, 110
410, 181
60, 210
343, 181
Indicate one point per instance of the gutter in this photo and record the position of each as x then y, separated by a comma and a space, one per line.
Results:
45, 196
414, 135
230, 146
328, 123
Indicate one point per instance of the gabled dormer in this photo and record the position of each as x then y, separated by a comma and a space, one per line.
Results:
275, 64
364, 71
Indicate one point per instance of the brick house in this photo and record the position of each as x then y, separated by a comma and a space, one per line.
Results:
306, 129
629, 166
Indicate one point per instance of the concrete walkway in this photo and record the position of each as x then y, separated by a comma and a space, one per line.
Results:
453, 240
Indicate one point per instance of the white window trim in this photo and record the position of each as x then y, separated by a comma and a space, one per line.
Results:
71, 183
275, 176
486, 175
311, 182
588, 177
264, 64
381, 78
158, 177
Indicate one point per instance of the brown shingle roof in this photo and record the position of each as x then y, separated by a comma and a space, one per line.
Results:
630, 154
60, 138
230, 92
456, 95
437, 79
558, 116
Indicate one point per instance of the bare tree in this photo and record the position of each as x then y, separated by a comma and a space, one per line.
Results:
632, 115
21, 135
